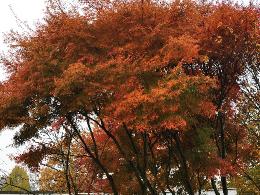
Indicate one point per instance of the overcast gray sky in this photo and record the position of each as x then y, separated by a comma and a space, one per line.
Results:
26, 10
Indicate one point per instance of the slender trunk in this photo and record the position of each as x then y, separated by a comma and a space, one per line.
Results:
144, 156
130, 139
66, 171
135, 150
213, 184
183, 164
92, 137
74, 185
69, 179
223, 150
153, 162
170, 149
224, 185
200, 185
142, 179
255, 183
95, 159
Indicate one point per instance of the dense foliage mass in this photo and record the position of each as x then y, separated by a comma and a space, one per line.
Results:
137, 97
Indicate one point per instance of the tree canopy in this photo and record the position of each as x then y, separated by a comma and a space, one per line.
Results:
18, 180
141, 93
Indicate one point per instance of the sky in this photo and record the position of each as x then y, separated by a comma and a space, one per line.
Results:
30, 11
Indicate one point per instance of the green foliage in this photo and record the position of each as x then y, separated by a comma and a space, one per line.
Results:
246, 183
18, 180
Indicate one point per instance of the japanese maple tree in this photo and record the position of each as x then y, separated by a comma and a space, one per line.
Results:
156, 81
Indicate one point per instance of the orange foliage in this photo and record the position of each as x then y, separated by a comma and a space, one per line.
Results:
161, 70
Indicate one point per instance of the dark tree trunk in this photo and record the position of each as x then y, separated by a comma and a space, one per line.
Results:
141, 177
213, 184
221, 119
183, 164
224, 185
93, 157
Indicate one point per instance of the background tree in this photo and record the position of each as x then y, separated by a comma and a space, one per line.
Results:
249, 116
18, 180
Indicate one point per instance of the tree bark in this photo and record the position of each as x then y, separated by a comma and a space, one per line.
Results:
183, 164
66, 171
223, 150
213, 184
141, 177
95, 159
224, 185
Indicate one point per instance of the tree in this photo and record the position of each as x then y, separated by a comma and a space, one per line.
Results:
78, 175
226, 66
153, 84
18, 180
248, 115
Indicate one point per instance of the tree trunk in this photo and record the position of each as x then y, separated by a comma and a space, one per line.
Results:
223, 150
141, 177
183, 164
213, 184
224, 185
95, 159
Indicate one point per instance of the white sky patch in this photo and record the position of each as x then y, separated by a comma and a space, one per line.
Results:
6, 150
29, 11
